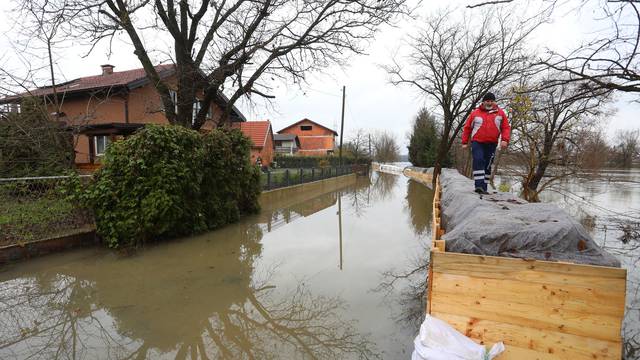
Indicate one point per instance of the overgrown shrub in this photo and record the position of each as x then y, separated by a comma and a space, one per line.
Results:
231, 185
168, 181
33, 144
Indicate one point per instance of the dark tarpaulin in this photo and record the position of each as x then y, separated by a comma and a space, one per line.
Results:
504, 225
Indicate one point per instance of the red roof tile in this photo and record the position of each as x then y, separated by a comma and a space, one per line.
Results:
119, 78
257, 131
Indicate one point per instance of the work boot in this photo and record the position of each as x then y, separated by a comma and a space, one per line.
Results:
479, 190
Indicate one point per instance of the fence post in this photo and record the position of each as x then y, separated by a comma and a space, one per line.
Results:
301, 171
286, 176
313, 172
268, 179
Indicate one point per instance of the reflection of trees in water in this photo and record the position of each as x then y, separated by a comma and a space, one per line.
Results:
420, 205
358, 197
173, 302
411, 284
383, 184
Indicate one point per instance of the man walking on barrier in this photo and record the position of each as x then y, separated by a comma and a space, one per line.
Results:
485, 126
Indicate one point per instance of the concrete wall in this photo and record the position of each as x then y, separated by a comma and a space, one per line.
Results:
293, 194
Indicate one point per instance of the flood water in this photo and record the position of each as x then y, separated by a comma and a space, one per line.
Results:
310, 277
333, 275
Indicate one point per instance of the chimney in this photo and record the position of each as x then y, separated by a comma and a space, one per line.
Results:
107, 69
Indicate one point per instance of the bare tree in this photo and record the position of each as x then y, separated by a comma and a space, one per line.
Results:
43, 27
359, 145
453, 63
609, 59
627, 147
547, 122
240, 47
385, 147
594, 150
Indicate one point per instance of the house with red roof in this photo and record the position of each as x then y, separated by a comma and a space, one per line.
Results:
315, 139
106, 107
261, 135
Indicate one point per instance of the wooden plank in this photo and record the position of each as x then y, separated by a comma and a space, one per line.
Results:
595, 325
552, 296
528, 270
547, 343
440, 245
518, 353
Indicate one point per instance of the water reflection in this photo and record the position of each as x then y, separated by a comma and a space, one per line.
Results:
410, 281
419, 202
383, 185
216, 305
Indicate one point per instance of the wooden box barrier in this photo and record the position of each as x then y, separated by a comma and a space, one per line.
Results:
539, 309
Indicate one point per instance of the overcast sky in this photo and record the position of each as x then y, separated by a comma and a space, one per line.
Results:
372, 103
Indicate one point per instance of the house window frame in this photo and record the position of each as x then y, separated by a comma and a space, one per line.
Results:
107, 141
195, 108
306, 127
174, 98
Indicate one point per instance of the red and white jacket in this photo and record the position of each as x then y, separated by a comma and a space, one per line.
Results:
486, 126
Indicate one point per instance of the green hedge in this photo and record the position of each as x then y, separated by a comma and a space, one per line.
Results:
288, 161
168, 181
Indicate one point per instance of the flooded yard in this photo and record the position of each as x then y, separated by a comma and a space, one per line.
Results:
305, 278
333, 274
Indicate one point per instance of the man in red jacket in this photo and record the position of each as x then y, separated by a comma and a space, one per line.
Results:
485, 126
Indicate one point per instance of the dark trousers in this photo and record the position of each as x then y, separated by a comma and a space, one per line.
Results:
483, 154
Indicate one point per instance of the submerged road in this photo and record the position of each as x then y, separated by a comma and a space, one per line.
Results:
332, 274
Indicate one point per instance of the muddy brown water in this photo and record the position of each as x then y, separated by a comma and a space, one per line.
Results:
304, 279
333, 275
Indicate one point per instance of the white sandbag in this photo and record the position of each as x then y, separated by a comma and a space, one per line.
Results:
439, 341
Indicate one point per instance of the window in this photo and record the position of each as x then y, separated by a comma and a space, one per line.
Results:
306, 127
174, 98
100, 144
196, 108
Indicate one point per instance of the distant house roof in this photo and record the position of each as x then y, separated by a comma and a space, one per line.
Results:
287, 137
311, 121
257, 131
128, 79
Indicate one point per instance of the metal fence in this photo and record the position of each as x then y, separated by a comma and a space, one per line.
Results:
36, 208
279, 178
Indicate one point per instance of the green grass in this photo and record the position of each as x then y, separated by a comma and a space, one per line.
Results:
25, 219
36, 211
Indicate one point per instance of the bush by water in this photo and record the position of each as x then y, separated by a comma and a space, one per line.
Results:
168, 181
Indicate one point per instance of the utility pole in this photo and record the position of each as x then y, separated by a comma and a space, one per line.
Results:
342, 126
